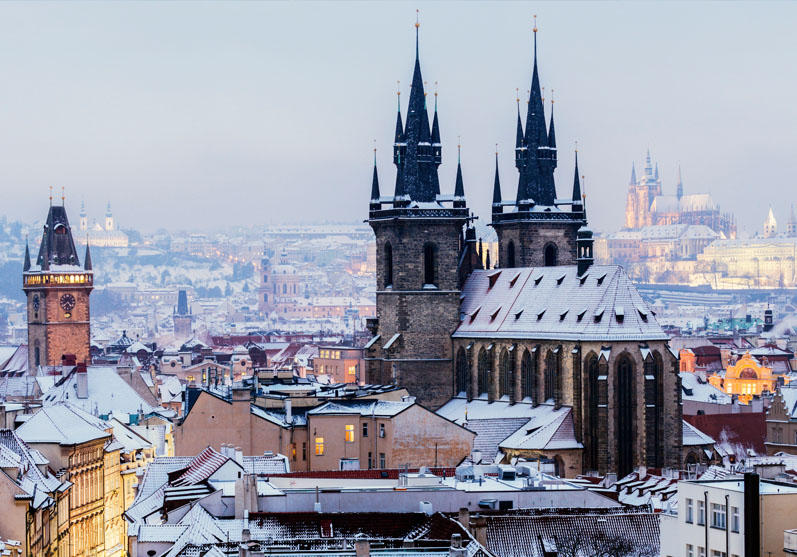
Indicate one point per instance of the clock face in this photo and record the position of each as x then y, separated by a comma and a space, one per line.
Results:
36, 302
68, 304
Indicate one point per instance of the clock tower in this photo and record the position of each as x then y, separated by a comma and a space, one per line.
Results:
57, 287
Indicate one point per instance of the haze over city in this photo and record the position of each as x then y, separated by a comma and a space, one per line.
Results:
265, 113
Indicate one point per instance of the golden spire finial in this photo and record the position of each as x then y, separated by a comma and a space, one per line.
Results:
517, 94
576, 145
496, 149
51, 196
543, 94
425, 83
417, 18
528, 93
63, 196
435, 88
551, 96
535, 23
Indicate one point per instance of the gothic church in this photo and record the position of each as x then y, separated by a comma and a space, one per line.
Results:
545, 327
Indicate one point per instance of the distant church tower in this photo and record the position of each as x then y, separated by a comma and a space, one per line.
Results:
641, 194
109, 223
182, 317
84, 218
536, 230
265, 290
422, 259
57, 289
770, 225
791, 226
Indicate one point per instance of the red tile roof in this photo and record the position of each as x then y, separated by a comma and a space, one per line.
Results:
748, 429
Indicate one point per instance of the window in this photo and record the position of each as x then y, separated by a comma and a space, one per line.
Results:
350, 433
365, 429
689, 511
718, 519
510, 254
370, 460
735, 519
690, 550
319, 446
388, 265
304, 451
701, 513
550, 255
715, 553
382, 460
701, 551
381, 430
429, 264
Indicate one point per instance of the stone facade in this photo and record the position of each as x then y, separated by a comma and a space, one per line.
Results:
529, 241
587, 377
51, 331
423, 314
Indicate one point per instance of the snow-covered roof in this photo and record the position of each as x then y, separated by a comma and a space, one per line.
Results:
363, 408
696, 389
107, 393
62, 424
549, 429
693, 436
555, 303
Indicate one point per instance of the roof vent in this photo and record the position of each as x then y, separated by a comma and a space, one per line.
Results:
582, 279
540, 314
560, 279
493, 278
600, 279
494, 314
619, 313
518, 314
514, 280
598, 314
563, 315
581, 313
538, 280
474, 313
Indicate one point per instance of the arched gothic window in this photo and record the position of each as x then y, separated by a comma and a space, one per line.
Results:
550, 375
592, 413
463, 373
550, 255
507, 383
528, 377
510, 254
483, 371
624, 391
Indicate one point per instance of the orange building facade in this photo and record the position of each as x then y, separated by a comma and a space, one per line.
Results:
746, 378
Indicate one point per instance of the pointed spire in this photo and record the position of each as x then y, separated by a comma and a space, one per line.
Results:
435, 125
487, 258
497, 197
459, 186
87, 259
399, 125
578, 202
633, 175
648, 165
519, 134
680, 187
26, 264
551, 132
375, 182
656, 172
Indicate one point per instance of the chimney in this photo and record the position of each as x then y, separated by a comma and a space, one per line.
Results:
464, 517
752, 515
478, 528
239, 456
362, 548
288, 411
456, 549
82, 378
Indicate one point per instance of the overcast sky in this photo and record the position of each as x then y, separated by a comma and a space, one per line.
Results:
208, 114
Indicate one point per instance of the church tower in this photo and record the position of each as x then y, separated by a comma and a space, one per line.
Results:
537, 229
422, 258
57, 288
109, 223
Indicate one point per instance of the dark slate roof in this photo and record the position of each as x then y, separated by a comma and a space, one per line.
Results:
555, 303
57, 246
490, 432
588, 531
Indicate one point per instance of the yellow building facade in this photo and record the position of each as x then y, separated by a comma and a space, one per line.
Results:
745, 378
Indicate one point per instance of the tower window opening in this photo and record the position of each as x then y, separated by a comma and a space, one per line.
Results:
550, 255
388, 265
510, 254
429, 264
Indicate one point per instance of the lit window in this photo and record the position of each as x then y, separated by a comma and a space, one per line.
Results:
350, 433
319, 446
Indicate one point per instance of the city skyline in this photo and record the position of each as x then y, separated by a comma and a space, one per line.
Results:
159, 110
